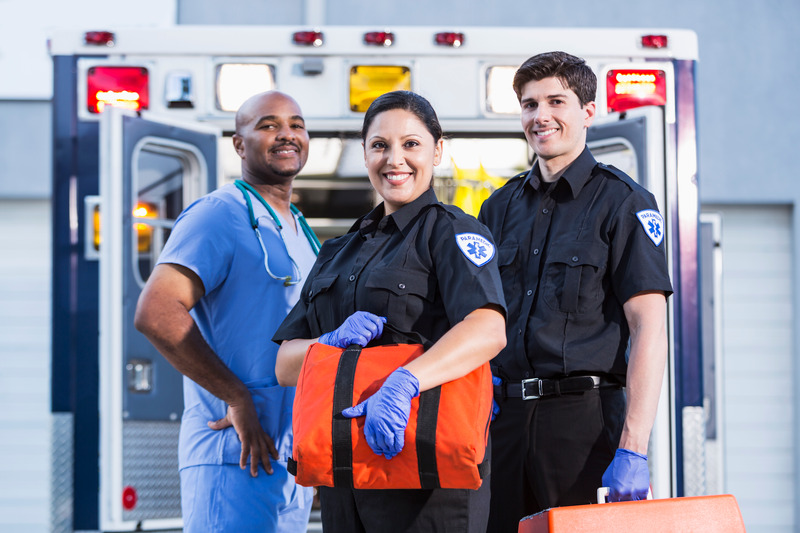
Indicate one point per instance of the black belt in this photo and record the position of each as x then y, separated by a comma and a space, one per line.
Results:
535, 388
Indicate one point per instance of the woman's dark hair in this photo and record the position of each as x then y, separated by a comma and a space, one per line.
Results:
411, 102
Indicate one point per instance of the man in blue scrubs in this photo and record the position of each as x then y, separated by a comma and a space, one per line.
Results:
230, 272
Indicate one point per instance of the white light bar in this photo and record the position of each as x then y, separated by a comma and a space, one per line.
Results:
500, 95
236, 82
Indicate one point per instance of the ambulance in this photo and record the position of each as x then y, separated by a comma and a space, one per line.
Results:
142, 126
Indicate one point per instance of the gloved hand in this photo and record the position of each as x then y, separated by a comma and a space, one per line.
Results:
627, 477
495, 408
387, 412
359, 328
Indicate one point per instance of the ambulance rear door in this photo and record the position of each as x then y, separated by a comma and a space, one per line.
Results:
634, 142
150, 170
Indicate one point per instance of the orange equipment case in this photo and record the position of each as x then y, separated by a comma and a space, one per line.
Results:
696, 514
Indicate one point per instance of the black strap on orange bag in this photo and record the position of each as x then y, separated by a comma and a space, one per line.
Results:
343, 374
342, 399
427, 419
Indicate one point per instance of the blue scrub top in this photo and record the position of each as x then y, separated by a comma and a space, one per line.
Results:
240, 311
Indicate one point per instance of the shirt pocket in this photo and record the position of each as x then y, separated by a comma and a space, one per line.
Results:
404, 294
315, 297
508, 262
573, 276
509, 265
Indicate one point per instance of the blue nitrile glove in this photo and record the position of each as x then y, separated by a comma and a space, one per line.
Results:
627, 477
387, 412
495, 408
359, 328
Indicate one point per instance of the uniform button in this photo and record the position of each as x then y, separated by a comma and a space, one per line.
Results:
574, 258
530, 292
545, 210
401, 286
352, 278
536, 251
310, 293
527, 374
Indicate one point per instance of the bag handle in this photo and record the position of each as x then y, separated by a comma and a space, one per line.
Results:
340, 425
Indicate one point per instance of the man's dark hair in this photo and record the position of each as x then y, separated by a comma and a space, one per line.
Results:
573, 72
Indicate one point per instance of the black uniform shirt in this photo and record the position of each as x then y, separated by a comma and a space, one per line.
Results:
425, 267
570, 256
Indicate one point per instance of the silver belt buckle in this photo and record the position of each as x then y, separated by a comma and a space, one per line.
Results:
535, 381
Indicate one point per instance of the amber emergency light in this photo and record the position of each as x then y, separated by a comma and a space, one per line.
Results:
367, 82
144, 232
628, 89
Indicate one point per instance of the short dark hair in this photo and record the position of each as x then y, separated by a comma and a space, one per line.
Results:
573, 72
411, 102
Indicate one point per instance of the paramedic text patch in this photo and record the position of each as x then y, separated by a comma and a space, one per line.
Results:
476, 248
653, 224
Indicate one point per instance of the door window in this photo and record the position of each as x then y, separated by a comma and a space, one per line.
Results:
618, 152
166, 177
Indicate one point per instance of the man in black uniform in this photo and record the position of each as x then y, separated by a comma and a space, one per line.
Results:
581, 256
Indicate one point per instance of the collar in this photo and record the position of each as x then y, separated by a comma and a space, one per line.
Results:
576, 175
402, 218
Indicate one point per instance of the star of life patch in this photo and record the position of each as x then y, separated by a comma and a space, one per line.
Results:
476, 248
653, 224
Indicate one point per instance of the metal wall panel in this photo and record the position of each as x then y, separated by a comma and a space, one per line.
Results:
758, 399
25, 149
24, 366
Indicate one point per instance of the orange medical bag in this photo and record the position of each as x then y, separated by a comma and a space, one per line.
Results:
445, 440
696, 514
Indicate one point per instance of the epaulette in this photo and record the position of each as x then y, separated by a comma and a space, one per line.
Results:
452, 210
521, 175
617, 173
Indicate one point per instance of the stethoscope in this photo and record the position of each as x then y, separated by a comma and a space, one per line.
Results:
309, 233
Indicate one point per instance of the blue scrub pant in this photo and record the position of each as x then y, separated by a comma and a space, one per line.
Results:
225, 498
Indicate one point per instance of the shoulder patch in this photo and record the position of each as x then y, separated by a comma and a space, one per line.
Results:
653, 224
476, 248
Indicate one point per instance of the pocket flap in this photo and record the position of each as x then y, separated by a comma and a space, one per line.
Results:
402, 282
579, 253
507, 254
319, 285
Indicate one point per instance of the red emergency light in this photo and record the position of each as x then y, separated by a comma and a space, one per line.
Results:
449, 38
379, 38
129, 498
308, 38
99, 38
118, 86
654, 41
627, 89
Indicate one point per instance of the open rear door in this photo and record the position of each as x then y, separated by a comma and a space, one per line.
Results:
635, 143
149, 172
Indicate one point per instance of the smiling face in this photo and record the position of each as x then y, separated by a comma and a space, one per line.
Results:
400, 154
271, 138
554, 121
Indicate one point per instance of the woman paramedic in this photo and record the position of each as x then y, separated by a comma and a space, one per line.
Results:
427, 269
